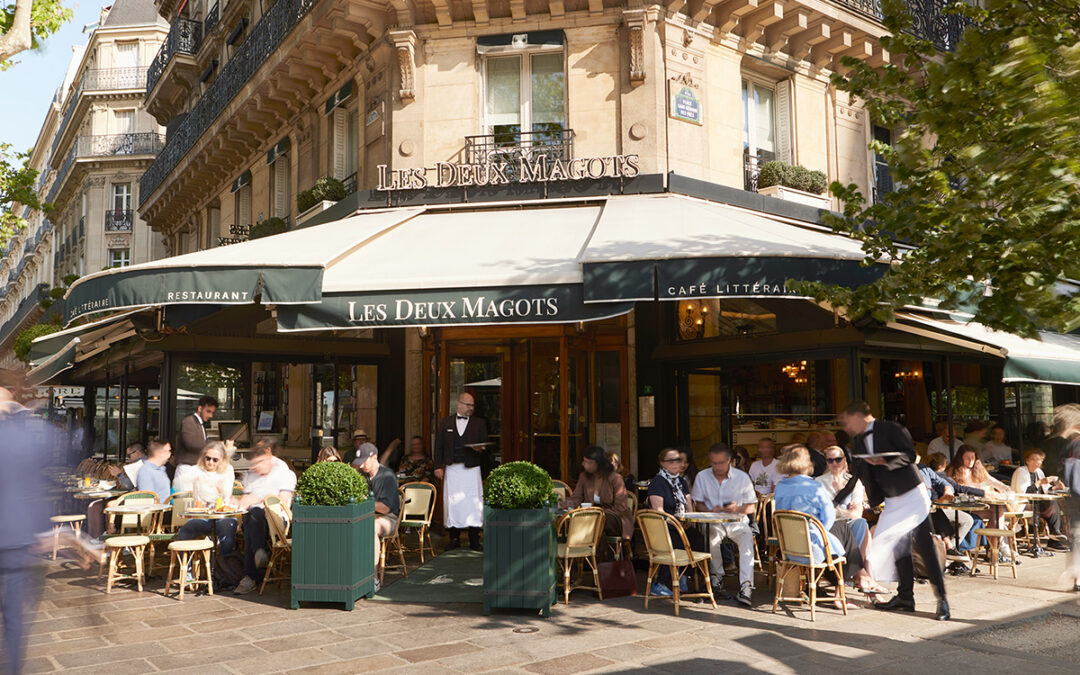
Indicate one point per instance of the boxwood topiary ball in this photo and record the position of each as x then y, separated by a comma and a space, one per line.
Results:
331, 484
519, 485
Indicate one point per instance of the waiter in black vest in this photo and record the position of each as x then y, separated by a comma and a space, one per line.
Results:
893, 478
458, 465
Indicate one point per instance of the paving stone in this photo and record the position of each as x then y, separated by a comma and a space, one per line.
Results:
204, 657
282, 661
41, 664
435, 652
363, 665
107, 655
574, 663
55, 648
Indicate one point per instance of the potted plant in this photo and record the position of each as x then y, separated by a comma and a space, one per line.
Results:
325, 193
333, 556
268, 227
794, 184
519, 538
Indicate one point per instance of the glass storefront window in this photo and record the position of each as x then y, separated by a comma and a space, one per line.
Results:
107, 421
226, 383
544, 406
706, 318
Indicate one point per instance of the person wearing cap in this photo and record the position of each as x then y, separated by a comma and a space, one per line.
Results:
382, 484
359, 437
458, 465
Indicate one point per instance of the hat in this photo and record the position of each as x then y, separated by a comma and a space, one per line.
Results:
365, 452
358, 433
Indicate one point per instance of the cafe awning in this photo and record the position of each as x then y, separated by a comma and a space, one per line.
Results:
284, 269
47, 345
63, 359
1054, 358
690, 247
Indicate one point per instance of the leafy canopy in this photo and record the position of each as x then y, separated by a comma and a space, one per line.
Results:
27, 335
16, 191
987, 163
519, 485
331, 484
46, 17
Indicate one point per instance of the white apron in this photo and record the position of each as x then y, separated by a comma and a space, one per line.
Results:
463, 496
899, 518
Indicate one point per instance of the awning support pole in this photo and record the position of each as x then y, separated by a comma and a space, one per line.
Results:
1019, 419
947, 367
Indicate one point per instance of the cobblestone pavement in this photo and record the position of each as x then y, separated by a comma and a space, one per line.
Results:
1004, 626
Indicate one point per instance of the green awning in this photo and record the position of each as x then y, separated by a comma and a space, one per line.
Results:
1054, 358
62, 360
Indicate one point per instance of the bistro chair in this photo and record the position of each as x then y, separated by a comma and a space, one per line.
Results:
193, 555
179, 502
656, 529
278, 522
992, 536
583, 529
796, 553
73, 522
562, 490
130, 523
386, 541
135, 544
765, 543
417, 510
622, 547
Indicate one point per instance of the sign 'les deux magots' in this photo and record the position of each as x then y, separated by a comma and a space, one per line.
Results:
541, 169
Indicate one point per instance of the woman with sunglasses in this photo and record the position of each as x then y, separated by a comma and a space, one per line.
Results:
851, 509
211, 479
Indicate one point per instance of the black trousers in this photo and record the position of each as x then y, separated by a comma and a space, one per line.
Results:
922, 537
841, 529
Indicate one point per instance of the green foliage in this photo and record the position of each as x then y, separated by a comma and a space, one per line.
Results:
28, 335
326, 188
519, 485
45, 303
305, 199
57, 293
331, 484
46, 17
797, 177
16, 191
986, 160
70, 279
268, 227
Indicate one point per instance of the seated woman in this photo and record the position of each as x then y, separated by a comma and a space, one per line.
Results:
742, 458
623, 470
212, 479
600, 485
799, 492
689, 468
669, 492
966, 469
852, 508
328, 454
416, 465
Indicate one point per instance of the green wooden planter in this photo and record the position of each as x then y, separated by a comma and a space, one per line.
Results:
519, 559
333, 556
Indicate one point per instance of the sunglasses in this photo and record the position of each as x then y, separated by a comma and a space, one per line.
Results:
212, 459
834, 460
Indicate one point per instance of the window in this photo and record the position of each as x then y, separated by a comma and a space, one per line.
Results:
279, 187
123, 122
127, 54
526, 93
883, 182
121, 200
243, 206
714, 318
119, 257
767, 134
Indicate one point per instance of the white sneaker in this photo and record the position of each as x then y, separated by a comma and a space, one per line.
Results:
261, 558
378, 585
246, 585
744, 596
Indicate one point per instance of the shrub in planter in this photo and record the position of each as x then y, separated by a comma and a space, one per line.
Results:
57, 293
519, 538
305, 200
70, 279
268, 227
796, 177
333, 556
818, 182
328, 188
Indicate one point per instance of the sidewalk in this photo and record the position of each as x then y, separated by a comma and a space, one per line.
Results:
1004, 626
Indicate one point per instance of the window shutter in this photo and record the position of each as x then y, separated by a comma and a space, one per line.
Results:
244, 210
281, 186
785, 135
339, 135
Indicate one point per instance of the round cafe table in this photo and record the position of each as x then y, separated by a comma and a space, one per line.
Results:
137, 509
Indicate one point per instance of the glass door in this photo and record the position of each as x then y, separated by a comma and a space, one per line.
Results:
703, 413
481, 374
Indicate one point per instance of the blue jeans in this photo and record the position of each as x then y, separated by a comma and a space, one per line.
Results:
18, 590
197, 528
255, 537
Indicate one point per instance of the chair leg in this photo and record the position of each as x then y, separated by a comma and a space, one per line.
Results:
675, 586
209, 576
648, 582
992, 545
401, 556
139, 551
566, 580
779, 588
185, 560
269, 570
113, 556
842, 591
169, 579
596, 576
704, 567
812, 583
55, 539
1012, 545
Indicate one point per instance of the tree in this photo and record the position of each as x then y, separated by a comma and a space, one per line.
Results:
26, 22
16, 188
986, 214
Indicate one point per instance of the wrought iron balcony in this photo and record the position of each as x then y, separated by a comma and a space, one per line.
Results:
114, 78
350, 183
119, 220
184, 38
120, 144
751, 169
516, 147
929, 21
275, 24
211, 20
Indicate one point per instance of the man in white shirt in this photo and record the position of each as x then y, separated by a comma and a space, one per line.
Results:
763, 472
995, 451
267, 475
726, 489
941, 443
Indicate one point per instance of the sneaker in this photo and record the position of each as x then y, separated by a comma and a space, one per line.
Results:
246, 585
660, 589
378, 585
261, 558
743, 597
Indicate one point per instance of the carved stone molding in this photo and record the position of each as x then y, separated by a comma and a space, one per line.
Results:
635, 26
95, 181
118, 240
404, 42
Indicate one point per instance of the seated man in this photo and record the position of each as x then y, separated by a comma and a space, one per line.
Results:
152, 475
382, 483
1030, 478
726, 489
267, 475
127, 475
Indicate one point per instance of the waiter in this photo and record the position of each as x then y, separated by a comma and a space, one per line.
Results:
896, 481
193, 431
459, 468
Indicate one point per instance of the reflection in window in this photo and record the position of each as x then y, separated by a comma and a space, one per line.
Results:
225, 383
526, 93
712, 318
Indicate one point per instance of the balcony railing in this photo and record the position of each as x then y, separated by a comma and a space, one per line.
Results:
350, 183
120, 144
119, 220
211, 20
751, 169
184, 38
516, 147
263, 40
929, 21
115, 78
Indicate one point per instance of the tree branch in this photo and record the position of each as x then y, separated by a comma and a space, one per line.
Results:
17, 39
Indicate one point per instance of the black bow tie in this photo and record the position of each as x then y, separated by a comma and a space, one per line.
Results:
462, 417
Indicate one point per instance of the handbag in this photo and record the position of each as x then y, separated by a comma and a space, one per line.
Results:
617, 578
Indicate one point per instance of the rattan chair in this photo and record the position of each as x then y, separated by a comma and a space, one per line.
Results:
278, 523
583, 529
656, 528
130, 523
792, 530
116, 546
763, 552
562, 490
417, 511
